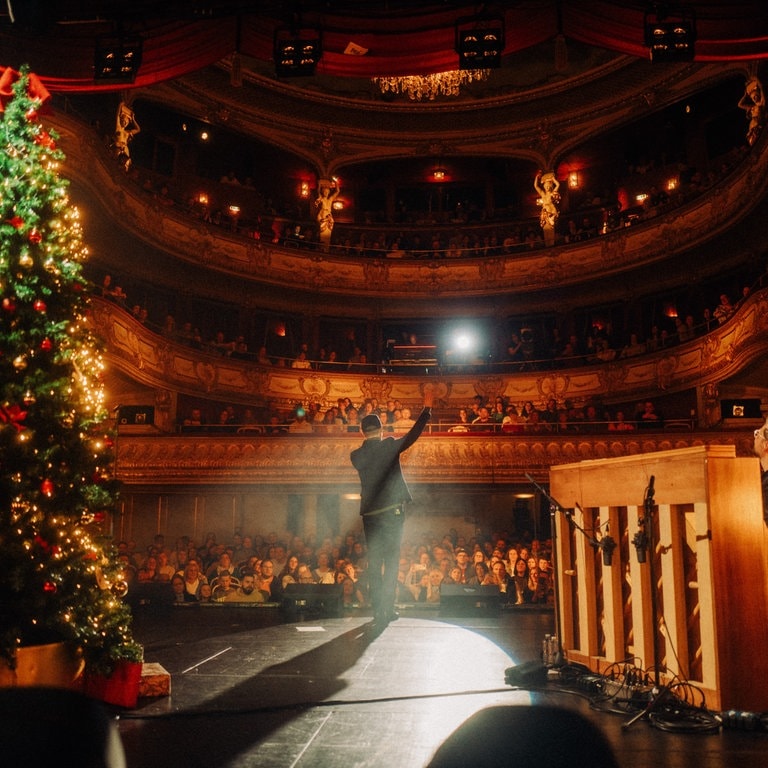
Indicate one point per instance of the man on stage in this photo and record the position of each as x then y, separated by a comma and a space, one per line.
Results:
383, 495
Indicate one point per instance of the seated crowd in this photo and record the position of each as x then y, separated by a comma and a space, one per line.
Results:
257, 569
499, 416
601, 344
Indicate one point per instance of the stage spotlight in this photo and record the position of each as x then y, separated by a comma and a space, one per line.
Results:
297, 52
480, 42
670, 39
117, 59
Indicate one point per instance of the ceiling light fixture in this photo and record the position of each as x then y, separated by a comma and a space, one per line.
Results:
429, 87
296, 51
480, 41
670, 35
117, 58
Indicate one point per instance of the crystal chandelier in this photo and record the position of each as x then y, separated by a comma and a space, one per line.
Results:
427, 87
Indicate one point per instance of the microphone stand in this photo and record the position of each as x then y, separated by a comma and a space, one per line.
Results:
606, 544
553, 507
643, 541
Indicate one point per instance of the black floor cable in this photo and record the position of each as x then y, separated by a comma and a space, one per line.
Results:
679, 707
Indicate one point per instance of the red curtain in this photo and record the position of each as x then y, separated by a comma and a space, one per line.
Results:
416, 44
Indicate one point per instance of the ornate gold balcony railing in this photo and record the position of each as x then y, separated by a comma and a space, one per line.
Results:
313, 273
162, 366
320, 463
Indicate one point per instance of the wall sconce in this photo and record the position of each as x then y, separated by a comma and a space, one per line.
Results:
304, 191
641, 198
480, 41
670, 39
672, 184
234, 211
438, 174
296, 52
573, 180
337, 205
202, 198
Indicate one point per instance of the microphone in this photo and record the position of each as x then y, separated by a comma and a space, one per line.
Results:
607, 545
641, 543
649, 490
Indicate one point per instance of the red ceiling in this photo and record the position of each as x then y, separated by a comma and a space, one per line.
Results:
415, 43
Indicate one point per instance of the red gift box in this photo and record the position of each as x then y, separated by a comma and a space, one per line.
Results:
120, 688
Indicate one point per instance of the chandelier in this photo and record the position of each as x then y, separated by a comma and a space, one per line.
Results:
427, 87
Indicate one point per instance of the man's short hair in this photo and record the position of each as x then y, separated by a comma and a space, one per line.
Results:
371, 423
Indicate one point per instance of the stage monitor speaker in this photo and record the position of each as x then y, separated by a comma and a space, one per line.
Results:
469, 599
531, 673
315, 600
136, 415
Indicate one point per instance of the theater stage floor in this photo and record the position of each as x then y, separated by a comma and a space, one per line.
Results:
250, 689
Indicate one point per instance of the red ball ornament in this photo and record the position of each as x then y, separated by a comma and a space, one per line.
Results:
35, 237
46, 345
40, 306
44, 139
16, 222
31, 115
46, 488
99, 517
50, 588
9, 304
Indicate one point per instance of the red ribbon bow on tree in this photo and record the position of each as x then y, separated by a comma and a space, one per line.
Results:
35, 87
13, 415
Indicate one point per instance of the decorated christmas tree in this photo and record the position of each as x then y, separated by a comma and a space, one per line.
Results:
60, 579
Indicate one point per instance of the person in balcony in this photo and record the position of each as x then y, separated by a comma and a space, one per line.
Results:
723, 310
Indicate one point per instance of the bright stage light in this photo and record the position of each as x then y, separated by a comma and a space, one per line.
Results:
464, 342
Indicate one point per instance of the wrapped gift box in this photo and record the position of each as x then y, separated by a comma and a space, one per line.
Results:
155, 681
120, 688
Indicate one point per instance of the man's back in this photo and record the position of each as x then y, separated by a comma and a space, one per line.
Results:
381, 479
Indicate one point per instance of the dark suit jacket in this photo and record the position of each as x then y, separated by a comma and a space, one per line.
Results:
378, 463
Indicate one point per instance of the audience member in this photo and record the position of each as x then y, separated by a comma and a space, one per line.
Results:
193, 581
724, 310
424, 567
223, 589
246, 592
